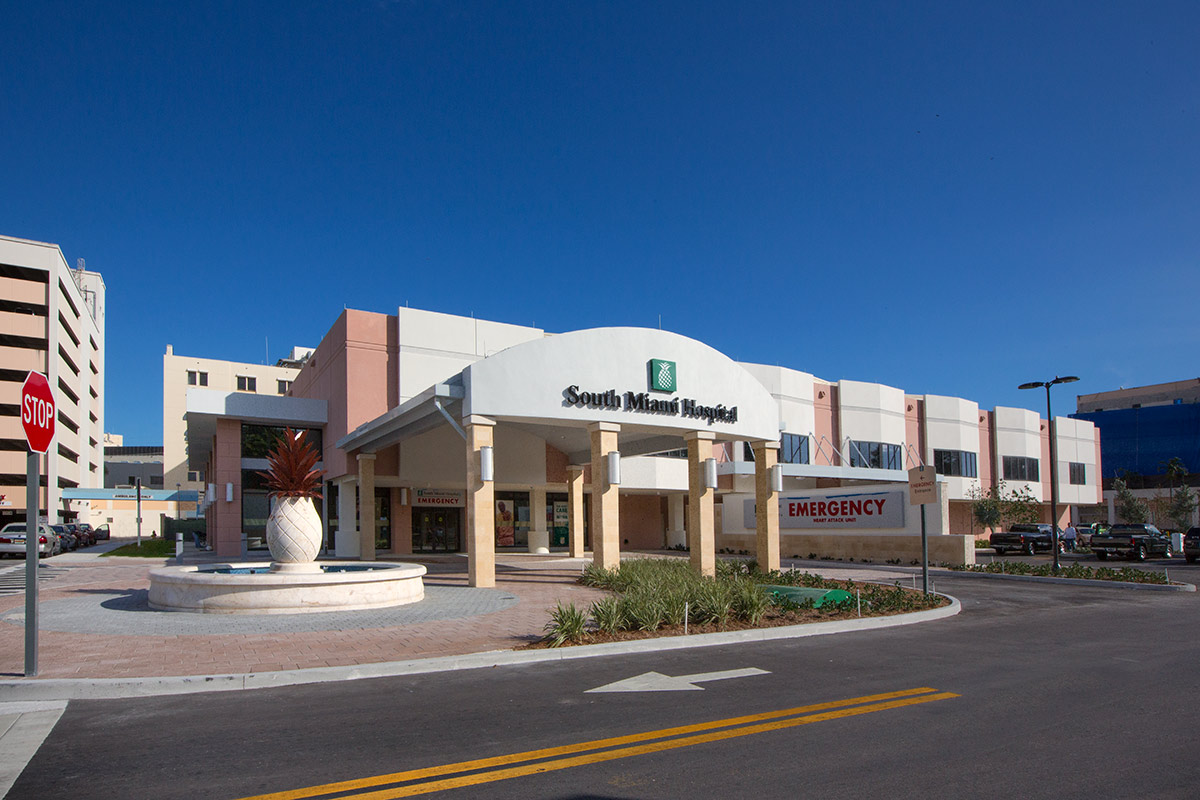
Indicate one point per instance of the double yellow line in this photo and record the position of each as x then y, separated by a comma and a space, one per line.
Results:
532, 762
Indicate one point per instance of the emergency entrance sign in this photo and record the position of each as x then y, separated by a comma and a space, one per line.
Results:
922, 486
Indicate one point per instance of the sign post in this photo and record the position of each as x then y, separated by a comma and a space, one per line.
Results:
38, 416
922, 489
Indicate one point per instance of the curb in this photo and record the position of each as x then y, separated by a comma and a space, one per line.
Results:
954, 573
1143, 587
115, 688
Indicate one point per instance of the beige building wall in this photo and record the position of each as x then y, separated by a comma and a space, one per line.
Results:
210, 373
52, 320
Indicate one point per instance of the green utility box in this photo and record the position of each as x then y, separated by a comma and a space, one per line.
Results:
820, 597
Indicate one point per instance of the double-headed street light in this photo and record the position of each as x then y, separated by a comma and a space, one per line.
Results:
1053, 457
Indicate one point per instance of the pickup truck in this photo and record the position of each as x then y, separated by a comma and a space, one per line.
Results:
1136, 541
1028, 539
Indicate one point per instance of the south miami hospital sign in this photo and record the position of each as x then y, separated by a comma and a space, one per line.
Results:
662, 378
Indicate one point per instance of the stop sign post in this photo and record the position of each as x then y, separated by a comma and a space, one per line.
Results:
39, 413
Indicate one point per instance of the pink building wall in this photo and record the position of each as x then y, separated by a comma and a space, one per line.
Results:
825, 423
914, 430
224, 519
354, 370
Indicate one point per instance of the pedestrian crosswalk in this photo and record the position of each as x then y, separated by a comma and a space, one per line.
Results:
12, 578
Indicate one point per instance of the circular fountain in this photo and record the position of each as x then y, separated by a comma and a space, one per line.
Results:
294, 581
264, 588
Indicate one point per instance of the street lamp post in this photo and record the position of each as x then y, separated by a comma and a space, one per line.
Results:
1053, 458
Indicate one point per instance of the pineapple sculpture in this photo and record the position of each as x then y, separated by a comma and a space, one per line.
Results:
294, 527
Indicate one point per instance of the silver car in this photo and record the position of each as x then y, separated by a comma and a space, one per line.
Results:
12, 540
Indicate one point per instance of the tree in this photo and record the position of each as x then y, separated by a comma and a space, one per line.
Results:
1020, 506
1129, 507
998, 506
985, 508
1180, 507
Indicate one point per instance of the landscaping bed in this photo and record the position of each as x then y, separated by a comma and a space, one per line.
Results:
665, 597
1078, 571
151, 548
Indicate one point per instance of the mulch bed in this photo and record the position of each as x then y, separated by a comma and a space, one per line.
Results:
772, 619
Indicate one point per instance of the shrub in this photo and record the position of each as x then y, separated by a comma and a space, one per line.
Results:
606, 613
567, 624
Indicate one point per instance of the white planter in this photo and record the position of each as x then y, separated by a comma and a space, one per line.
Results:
294, 531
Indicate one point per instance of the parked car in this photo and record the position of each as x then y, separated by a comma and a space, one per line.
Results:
1191, 545
1137, 541
69, 542
101, 532
85, 536
1026, 538
1084, 533
12, 540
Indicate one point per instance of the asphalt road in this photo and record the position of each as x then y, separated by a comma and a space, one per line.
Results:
1033, 691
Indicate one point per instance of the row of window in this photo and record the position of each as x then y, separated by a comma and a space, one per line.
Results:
959, 463
794, 449
245, 383
1020, 468
876, 455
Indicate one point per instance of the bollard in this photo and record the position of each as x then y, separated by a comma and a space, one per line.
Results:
179, 546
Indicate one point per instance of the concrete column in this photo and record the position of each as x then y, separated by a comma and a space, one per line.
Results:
575, 511
366, 507
766, 506
539, 535
701, 524
606, 522
481, 506
345, 544
676, 530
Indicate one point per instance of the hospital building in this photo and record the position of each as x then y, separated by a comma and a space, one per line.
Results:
448, 434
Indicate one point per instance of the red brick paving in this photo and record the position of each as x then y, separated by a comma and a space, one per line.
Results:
85, 655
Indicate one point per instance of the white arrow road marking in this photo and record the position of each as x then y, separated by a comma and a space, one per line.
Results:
657, 682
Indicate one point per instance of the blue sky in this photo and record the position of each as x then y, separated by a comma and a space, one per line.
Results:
952, 198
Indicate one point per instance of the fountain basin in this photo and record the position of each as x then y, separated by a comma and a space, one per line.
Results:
257, 588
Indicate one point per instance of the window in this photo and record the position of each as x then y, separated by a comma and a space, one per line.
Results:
246, 383
195, 475
191, 377
1019, 468
958, 463
876, 455
259, 440
1078, 473
793, 449
196, 378
284, 386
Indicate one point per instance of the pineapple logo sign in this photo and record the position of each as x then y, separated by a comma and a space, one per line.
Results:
662, 376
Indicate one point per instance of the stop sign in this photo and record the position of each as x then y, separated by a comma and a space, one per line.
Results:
37, 412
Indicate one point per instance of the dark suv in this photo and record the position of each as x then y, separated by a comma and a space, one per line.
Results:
1191, 545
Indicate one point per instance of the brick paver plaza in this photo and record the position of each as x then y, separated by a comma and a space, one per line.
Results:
94, 623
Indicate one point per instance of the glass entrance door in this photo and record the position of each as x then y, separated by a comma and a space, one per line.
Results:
383, 519
435, 530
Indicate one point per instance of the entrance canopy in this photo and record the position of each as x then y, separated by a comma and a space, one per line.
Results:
655, 384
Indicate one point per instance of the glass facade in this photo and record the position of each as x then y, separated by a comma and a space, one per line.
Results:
876, 455
793, 449
958, 463
257, 440
1019, 468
